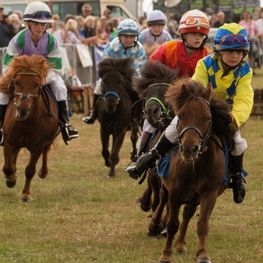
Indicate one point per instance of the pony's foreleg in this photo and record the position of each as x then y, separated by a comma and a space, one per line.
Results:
116, 146
207, 204
29, 173
43, 171
9, 167
146, 199
189, 211
156, 224
172, 227
105, 138
134, 139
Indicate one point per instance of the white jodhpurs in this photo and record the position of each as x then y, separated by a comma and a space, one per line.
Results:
171, 131
240, 144
57, 85
4, 98
147, 127
97, 89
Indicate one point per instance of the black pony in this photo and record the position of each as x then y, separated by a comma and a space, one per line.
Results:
118, 109
151, 87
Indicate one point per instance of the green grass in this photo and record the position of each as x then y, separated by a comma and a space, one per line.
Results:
79, 215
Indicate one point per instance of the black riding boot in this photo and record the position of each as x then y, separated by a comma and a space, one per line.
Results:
2, 116
238, 181
67, 131
148, 159
145, 139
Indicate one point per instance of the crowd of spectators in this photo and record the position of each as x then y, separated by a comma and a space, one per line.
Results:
85, 28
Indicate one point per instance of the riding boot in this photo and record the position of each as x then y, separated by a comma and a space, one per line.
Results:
148, 159
238, 181
94, 113
2, 116
67, 131
145, 139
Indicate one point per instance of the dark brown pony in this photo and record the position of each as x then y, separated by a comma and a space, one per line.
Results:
196, 174
31, 119
152, 86
119, 110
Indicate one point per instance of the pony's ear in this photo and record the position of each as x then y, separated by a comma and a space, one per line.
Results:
208, 93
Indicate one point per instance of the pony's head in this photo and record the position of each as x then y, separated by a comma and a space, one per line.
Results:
197, 109
25, 77
152, 86
116, 78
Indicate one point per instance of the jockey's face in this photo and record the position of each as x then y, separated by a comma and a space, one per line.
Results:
127, 40
194, 40
232, 57
37, 28
156, 30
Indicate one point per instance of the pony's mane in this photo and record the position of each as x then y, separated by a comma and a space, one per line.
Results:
154, 72
30, 64
186, 89
122, 65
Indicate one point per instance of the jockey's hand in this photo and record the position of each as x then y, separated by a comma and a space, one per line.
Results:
144, 162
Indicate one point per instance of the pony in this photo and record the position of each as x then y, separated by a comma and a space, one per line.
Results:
31, 118
118, 110
151, 86
197, 170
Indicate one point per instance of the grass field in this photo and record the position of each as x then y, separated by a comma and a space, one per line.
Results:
79, 215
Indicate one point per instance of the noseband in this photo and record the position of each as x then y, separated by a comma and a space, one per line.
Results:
165, 111
24, 97
202, 146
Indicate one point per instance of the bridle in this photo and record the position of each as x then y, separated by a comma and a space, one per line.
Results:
24, 97
165, 111
202, 146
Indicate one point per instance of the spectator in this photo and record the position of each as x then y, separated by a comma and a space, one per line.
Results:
72, 34
250, 25
220, 19
259, 27
81, 26
15, 22
7, 31
86, 10
153, 36
90, 31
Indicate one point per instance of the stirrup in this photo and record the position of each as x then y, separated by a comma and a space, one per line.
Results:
88, 119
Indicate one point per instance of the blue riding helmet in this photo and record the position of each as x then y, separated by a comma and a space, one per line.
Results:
128, 27
231, 36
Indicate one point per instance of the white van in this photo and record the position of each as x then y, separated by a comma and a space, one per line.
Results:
64, 7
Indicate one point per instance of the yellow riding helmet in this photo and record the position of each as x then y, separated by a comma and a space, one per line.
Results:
230, 37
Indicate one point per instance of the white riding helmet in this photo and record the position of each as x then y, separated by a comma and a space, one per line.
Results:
38, 11
194, 21
156, 17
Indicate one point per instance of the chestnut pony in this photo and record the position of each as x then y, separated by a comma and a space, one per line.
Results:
31, 119
197, 169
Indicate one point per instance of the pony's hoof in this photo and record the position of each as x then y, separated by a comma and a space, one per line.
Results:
10, 184
203, 259
25, 198
154, 229
164, 259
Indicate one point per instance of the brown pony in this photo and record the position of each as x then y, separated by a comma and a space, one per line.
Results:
197, 170
31, 119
